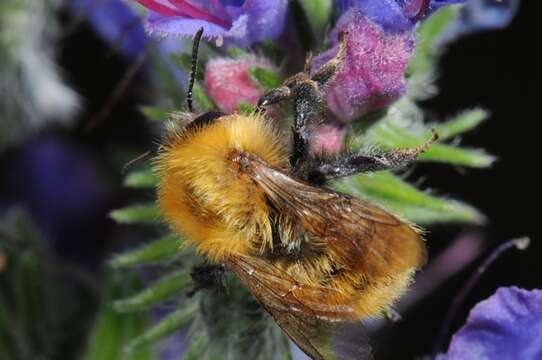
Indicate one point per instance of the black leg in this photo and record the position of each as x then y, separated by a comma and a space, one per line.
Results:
308, 100
319, 171
207, 277
328, 71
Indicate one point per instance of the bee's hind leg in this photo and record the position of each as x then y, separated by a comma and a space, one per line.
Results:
319, 171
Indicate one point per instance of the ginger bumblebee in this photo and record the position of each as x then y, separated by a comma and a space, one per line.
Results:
317, 260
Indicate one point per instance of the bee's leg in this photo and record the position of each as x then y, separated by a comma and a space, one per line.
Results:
207, 277
328, 71
319, 172
308, 100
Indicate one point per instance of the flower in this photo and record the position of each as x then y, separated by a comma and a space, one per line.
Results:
228, 81
115, 22
241, 22
380, 42
508, 325
395, 15
327, 139
480, 15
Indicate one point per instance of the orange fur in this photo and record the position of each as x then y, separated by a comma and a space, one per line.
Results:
204, 195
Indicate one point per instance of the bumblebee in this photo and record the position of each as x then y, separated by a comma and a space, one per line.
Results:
317, 260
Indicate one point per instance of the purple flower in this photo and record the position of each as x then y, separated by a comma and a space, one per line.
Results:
115, 22
395, 15
480, 15
241, 22
380, 42
373, 72
508, 325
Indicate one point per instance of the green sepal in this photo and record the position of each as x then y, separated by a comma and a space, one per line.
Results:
163, 249
145, 213
461, 123
145, 178
266, 78
406, 200
112, 331
171, 323
389, 136
155, 113
159, 291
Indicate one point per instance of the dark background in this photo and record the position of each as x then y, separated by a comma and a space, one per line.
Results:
498, 71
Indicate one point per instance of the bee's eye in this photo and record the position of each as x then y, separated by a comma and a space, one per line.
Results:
205, 119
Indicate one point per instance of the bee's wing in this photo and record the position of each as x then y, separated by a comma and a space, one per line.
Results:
361, 235
317, 319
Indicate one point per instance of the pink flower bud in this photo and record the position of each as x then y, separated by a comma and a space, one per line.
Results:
228, 81
327, 139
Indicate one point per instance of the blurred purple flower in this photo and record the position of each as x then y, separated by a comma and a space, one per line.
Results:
241, 22
380, 42
60, 185
115, 22
480, 15
395, 15
508, 325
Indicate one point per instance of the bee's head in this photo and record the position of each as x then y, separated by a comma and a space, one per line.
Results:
204, 119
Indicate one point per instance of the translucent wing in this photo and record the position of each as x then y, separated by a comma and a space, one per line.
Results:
317, 319
362, 235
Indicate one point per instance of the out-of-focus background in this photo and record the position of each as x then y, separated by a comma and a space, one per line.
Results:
66, 176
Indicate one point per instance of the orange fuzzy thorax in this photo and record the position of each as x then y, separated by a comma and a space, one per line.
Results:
203, 194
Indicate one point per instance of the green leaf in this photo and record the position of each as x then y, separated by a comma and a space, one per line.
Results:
147, 213
162, 249
196, 348
406, 200
465, 121
171, 323
236, 52
423, 60
245, 108
184, 61
476, 158
112, 331
392, 136
154, 113
155, 293
266, 78
141, 179
318, 12
201, 97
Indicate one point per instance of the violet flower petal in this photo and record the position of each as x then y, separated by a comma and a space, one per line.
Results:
115, 22
508, 325
396, 15
251, 21
480, 15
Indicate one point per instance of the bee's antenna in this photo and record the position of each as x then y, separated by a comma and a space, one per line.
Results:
194, 69
135, 160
